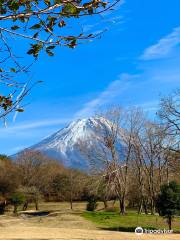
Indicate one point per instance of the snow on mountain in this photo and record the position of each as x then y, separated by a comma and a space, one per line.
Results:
64, 144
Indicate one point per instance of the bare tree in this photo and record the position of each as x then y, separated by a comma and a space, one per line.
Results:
68, 185
77, 181
31, 195
169, 113
128, 147
151, 160
9, 181
110, 152
35, 172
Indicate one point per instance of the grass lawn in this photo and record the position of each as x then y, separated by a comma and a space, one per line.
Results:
128, 222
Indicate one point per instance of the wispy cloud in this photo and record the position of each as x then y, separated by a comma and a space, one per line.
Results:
149, 106
164, 46
34, 125
113, 90
103, 25
116, 7
18, 148
107, 20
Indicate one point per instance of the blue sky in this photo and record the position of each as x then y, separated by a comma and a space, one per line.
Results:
136, 61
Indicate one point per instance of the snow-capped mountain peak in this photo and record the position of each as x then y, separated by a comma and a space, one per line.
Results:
66, 144
63, 145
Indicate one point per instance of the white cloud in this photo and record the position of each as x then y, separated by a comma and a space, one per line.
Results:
18, 148
106, 21
149, 106
103, 25
164, 46
113, 90
34, 125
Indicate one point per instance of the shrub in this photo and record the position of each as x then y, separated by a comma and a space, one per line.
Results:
168, 201
2, 207
92, 204
16, 200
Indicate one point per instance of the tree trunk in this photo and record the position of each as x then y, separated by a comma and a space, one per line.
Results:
122, 206
145, 206
140, 208
15, 209
2, 207
37, 205
169, 220
152, 207
105, 204
25, 206
71, 202
113, 203
71, 190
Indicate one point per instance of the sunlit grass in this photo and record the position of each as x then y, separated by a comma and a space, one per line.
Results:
128, 222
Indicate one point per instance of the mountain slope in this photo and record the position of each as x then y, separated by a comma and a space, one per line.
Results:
64, 145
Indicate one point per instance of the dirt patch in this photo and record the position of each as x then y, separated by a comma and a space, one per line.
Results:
52, 220
32, 233
66, 226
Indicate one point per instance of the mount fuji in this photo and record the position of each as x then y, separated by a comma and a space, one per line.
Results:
64, 145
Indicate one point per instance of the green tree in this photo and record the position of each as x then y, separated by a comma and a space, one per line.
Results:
16, 200
43, 25
92, 203
168, 201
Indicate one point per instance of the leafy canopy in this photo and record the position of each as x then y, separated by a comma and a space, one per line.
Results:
42, 24
168, 201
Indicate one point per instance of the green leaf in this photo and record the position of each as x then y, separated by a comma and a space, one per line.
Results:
20, 110
104, 4
34, 50
2, 10
62, 23
72, 44
50, 53
35, 35
36, 26
14, 6
70, 9
90, 10
22, 19
50, 47
47, 2
15, 27
13, 70
30, 51
57, 1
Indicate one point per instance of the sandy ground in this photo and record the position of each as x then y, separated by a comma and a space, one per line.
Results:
32, 233
63, 226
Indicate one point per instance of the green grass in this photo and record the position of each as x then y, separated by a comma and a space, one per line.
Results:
128, 222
